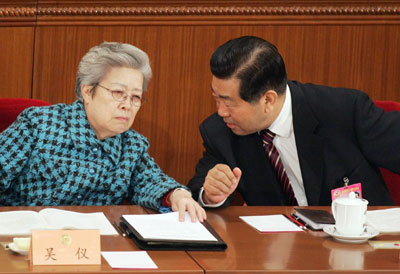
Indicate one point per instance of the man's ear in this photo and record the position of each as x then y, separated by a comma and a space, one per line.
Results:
86, 92
269, 98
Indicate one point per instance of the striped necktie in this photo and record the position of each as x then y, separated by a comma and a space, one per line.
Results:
275, 160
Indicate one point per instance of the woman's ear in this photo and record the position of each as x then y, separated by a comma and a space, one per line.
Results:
86, 92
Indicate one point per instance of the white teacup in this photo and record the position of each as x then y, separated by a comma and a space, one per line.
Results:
350, 215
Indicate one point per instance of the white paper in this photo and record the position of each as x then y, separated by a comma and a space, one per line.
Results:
271, 223
167, 226
20, 222
24, 221
384, 220
65, 219
129, 259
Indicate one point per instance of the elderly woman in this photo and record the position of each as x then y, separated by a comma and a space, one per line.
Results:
86, 153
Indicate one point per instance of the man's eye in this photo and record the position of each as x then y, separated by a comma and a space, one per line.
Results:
136, 97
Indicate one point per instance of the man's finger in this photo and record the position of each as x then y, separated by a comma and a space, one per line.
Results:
215, 189
237, 172
226, 170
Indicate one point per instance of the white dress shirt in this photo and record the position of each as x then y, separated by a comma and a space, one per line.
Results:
285, 143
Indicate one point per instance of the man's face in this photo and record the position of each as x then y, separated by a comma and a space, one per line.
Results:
240, 116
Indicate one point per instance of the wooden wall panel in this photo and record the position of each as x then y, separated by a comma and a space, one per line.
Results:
17, 22
364, 57
179, 95
16, 58
339, 43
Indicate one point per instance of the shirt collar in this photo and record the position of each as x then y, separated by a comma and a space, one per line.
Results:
283, 123
84, 137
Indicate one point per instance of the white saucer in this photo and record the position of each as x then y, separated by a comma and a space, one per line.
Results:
13, 247
369, 232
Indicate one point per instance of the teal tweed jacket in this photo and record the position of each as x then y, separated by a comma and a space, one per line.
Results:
51, 156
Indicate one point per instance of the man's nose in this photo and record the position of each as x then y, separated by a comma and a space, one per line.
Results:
222, 109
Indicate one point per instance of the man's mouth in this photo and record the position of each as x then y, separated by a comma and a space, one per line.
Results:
230, 125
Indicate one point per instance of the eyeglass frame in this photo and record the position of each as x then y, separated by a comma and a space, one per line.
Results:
142, 100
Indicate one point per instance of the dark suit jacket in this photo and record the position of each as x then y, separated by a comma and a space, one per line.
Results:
339, 134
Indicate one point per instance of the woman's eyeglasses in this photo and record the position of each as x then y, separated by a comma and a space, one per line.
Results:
121, 95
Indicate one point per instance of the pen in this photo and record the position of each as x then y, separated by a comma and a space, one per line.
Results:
291, 218
298, 219
119, 229
126, 229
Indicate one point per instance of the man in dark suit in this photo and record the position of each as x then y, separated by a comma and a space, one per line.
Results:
325, 137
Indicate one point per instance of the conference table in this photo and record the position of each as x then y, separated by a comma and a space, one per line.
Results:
167, 261
249, 251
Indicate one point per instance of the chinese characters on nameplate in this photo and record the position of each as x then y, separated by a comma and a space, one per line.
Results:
65, 247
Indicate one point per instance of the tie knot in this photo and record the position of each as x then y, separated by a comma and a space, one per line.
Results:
267, 136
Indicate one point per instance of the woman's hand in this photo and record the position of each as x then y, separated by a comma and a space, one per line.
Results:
181, 200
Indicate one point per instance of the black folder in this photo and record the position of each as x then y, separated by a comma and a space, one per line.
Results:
314, 219
160, 244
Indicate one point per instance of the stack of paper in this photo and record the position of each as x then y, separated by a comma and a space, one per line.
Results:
165, 231
271, 223
24, 221
384, 220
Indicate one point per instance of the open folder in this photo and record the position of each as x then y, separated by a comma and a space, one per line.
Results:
166, 232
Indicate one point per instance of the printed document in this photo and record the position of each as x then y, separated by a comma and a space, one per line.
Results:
271, 223
24, 221
384, 220
168, 227
129, 259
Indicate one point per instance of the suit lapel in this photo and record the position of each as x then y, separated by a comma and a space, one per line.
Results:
308, 143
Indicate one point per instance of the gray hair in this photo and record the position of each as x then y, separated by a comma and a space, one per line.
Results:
98, 61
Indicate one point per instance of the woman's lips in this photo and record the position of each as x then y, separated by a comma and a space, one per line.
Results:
125, 119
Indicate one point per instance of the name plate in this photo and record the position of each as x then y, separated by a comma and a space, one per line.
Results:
65, 247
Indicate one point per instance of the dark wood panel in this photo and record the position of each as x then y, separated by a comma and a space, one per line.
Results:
364, 57
17, 13
16, 57
340, 43
178, 97
358, 56
222, 7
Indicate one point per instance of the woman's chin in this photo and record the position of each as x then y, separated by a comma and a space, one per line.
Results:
121, 130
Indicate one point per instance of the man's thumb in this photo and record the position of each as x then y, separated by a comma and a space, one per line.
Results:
237, 172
